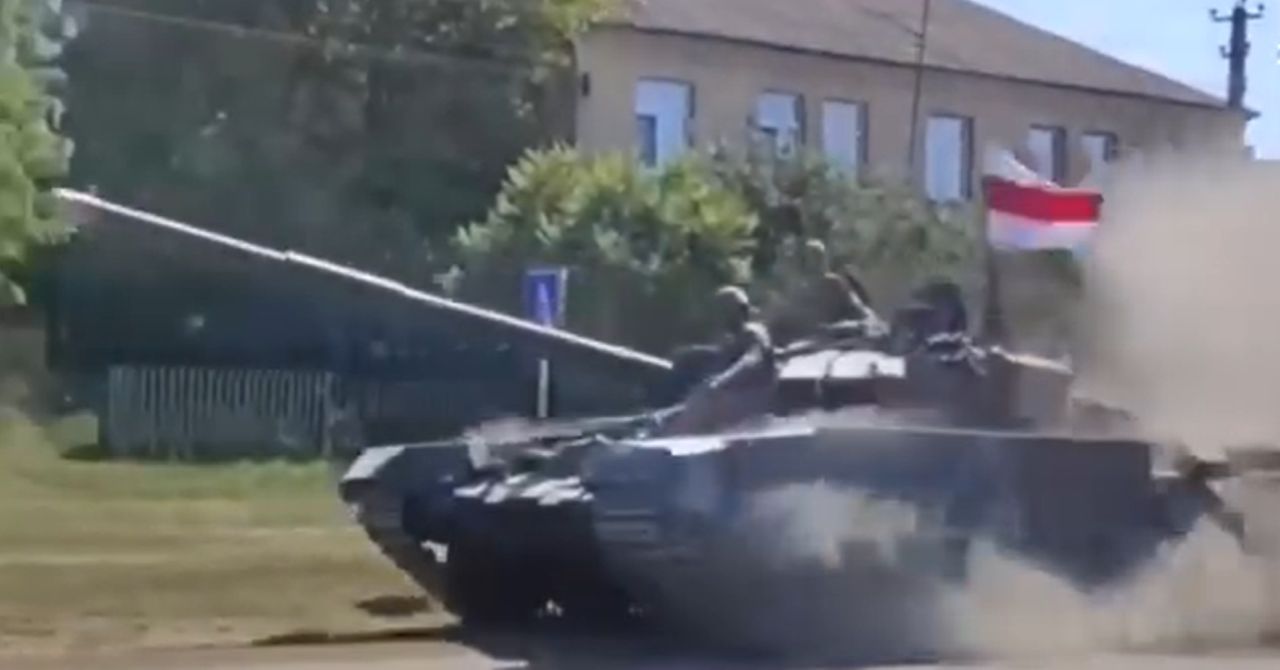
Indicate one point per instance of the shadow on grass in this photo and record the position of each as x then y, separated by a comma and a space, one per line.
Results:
394, 607
310, 638
88, 453
537, 643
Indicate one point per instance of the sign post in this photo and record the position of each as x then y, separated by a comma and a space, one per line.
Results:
545, 290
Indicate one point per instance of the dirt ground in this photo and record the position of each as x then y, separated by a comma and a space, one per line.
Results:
98, 556
543, 653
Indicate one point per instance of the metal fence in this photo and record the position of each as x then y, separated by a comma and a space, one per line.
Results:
187, 413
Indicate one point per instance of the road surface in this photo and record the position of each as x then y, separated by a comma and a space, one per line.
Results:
545, 654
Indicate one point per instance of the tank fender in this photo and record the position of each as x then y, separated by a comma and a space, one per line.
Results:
399, 495
421, 478
367, 469
408, 468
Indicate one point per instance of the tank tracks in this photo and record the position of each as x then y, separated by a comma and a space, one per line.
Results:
381, 513
478, 581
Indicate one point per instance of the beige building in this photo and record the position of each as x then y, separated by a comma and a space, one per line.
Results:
839, 76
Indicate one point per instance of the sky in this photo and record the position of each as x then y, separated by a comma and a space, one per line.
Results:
1175, 38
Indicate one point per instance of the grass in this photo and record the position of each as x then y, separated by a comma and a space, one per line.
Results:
123, 555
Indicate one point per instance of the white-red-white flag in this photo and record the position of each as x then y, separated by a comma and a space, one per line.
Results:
1028, 213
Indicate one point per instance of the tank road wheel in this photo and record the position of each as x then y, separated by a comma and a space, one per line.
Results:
484, 588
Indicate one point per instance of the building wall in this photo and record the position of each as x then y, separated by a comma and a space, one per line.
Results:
728, 76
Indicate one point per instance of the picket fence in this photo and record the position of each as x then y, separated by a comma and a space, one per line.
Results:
185, 413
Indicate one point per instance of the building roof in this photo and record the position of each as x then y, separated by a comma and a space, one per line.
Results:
963, 36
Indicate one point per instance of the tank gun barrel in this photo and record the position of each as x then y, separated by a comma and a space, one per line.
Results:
531, 338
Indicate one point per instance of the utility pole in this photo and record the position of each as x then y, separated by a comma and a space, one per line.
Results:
922, 44
1237, 52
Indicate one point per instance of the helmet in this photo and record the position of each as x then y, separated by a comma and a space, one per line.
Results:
733, 303
815, 254
731, 297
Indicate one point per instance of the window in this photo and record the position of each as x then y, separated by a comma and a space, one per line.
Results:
843, 139
778, 121
663, 113
1100, 149
1047, 145
948, 158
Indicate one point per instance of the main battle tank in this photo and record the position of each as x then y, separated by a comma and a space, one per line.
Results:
883, 463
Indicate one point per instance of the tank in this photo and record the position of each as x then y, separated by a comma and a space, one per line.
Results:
854, 500
880, 466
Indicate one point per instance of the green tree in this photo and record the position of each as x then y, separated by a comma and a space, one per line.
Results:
646, 249
32, 154
364, 131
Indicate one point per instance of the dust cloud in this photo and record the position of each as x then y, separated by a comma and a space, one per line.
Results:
801, 524
1201, 594
1179, 327
1181, 310
879, 601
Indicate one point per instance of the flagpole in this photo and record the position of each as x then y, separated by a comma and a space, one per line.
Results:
993, 326
1054, 218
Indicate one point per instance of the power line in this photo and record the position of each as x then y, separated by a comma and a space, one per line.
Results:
922, 46
498, 62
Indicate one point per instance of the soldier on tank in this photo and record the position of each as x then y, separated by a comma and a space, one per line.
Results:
824, 304
745, 348
743, 371
935, 319
739, 334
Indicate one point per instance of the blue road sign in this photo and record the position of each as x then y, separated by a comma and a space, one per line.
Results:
544, 296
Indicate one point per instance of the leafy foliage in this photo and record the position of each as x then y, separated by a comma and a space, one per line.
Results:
646, 249
370, 131
649, 248
883, 232
364, 131
32, 154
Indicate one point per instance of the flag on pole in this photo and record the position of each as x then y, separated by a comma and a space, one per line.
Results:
1028, 213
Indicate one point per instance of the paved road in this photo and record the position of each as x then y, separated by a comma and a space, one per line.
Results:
546, 655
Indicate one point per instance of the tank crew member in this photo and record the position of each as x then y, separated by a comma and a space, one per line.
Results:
746, 349
825, 303
742, 384
936, 320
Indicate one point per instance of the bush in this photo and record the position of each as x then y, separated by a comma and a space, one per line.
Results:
648, 248
887, 235
32, 153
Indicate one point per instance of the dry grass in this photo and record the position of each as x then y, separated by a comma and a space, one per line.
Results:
120, 555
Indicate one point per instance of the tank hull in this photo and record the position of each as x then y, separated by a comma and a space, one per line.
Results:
697, 509
724, 536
